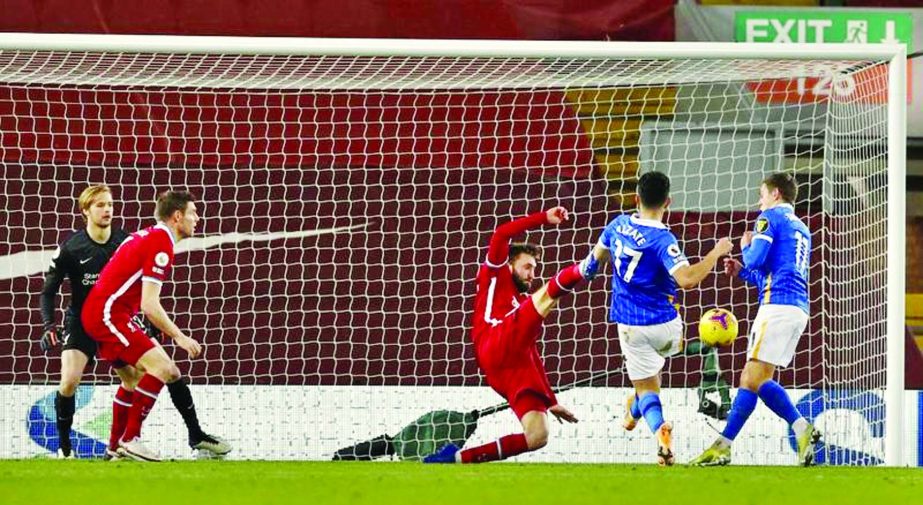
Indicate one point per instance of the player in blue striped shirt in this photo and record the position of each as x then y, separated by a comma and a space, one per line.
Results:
648, 263
776, 255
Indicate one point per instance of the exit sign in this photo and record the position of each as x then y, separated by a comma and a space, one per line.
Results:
826, 26
858, 27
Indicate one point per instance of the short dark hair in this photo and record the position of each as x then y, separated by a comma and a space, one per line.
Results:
786, 185
169, 202
654, 189
530, 249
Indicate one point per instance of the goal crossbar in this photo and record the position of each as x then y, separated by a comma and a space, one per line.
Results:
290, 46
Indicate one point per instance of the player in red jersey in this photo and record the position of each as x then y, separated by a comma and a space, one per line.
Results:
130, 282
507, 323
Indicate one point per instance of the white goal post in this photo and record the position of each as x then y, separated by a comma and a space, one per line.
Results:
350, 186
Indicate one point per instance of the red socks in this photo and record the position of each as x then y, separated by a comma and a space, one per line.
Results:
120, 407
142, 402
564, 281
503, 448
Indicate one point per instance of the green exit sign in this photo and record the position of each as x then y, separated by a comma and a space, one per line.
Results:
858, 27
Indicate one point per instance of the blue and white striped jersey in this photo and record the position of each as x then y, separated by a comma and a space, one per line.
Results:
644, 255
778, 259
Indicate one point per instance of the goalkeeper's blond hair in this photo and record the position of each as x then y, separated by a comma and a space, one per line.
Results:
89, 195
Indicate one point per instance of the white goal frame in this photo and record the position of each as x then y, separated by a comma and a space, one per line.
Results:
895, 54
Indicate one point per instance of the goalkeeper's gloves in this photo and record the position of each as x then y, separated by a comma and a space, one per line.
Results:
49, 339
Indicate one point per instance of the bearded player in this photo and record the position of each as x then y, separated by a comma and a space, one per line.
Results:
507, 323
130, 282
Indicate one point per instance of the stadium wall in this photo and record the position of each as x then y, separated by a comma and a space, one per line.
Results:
429, 19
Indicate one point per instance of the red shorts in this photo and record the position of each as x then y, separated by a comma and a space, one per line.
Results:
120, 340
507, 355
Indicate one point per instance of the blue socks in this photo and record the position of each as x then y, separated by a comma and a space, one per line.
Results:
649, 405
775, 397
743, 406
772, 394
636, 408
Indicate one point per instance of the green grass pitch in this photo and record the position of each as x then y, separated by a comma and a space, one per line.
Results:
35, 482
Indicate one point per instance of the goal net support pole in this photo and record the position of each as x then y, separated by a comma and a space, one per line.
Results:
897, 256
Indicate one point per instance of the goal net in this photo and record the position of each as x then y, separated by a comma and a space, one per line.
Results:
347, 202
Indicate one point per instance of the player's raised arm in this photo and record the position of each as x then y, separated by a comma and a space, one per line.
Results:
690, 275
499, 250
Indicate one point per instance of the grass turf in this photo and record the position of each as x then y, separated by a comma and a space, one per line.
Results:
238, 482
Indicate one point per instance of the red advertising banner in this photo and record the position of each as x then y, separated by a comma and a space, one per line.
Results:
430, 19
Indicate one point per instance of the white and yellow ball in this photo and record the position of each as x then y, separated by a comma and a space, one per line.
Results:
718, 328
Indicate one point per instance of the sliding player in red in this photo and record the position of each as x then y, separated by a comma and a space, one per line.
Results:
507, 324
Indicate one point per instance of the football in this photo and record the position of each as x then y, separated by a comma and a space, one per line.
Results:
718, 328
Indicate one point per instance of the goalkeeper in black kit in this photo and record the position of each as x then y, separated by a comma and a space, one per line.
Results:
80, 259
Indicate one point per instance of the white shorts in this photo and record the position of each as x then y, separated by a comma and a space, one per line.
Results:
646, 347
775, 333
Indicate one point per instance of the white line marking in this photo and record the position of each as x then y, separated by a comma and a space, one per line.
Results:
26, 263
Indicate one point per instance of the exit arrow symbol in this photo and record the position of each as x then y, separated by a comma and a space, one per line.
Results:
890, 37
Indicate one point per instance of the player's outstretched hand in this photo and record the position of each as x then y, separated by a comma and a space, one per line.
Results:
189, 345
746, 239
49, 340
562, 414
732, 267
556, 215
724, 247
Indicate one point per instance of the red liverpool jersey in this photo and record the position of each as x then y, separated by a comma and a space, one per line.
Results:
145, 255
496, 298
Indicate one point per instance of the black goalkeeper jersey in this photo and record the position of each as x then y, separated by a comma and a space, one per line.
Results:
80, 259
